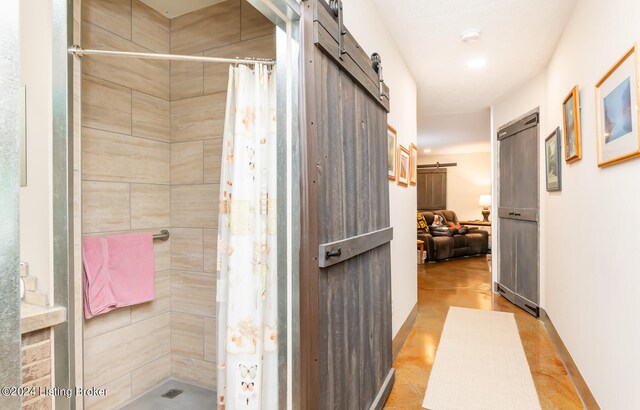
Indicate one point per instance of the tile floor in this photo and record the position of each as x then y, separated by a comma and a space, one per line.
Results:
467, 283
191, 398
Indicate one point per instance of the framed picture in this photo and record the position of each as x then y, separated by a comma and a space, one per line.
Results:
571, 123
413, 164
404, 169
392, 144
617, 112
552, 148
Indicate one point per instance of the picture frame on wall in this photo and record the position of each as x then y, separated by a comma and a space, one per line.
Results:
404, 169
617, 132
413, 164
392, 144
552, 149
571, 126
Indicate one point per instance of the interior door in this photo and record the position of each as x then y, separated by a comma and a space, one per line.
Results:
432, 189
518, 278
345, 267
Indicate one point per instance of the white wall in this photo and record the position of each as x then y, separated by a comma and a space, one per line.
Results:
590, 229
465, 182
365, 23
35, 198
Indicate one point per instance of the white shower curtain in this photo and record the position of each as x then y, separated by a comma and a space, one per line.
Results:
246, 294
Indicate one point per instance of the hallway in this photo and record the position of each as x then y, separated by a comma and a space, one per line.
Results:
467, 283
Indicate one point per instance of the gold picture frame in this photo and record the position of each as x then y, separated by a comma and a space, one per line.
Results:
392, 146
403, 166
413, 164
571, 126
617, 96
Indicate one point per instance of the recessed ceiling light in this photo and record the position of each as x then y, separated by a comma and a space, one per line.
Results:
426, 151
477, 63
470, 36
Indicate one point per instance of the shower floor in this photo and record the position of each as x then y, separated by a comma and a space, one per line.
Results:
192, 397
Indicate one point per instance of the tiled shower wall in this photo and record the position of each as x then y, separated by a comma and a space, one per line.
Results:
151, 147
198, 96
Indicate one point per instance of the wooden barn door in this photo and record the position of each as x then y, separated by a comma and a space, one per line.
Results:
345, 269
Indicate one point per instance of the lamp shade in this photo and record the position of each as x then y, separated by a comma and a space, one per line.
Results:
485, 200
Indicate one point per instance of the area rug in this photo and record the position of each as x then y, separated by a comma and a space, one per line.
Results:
480, 364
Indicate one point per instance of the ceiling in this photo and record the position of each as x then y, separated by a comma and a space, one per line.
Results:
173, 8
517, 40
456, 133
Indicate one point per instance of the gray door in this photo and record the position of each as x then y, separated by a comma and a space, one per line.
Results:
345, 259
432, 189
518, 211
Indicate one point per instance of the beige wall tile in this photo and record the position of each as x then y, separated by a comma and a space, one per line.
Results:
151, 375
111, 15
187, 335
148, 76
212, 160
216, 76
40, 403
210, 340
105, 206
193, 293
197, 118
151, 117
108, 156
162, 252
36, 336
105, 105
186, 249
194, 206
193, 370
36, 352
121, 351
187, 162
150, 206
202, 29
110, 321
210, 241
36, 370
160, 304
150, 29
119, 393
187, 79
254, 24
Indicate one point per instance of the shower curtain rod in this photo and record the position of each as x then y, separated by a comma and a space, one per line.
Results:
79, 52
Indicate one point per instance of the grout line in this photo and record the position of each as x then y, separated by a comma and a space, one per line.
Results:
125, 135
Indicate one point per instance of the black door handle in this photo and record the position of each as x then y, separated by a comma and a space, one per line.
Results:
334, 252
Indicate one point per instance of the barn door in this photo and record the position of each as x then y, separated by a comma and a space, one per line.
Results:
345, 270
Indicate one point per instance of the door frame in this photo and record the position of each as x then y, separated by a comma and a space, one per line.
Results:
495, 267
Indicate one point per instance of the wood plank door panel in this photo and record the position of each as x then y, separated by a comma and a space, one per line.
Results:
345, 314
432, 189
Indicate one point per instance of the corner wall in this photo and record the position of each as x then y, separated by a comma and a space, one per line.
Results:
590, 241
365, 23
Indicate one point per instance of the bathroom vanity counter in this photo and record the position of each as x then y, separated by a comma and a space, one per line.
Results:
34, 317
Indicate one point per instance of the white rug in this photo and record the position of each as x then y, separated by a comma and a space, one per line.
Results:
480, 364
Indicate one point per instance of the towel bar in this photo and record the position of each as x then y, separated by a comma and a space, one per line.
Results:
162, 236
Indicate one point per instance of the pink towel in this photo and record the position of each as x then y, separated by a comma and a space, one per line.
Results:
118, 271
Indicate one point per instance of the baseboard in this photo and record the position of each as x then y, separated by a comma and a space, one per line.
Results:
402, 334
588, 401
385, 390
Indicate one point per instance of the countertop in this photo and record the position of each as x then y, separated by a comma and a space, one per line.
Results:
34, 317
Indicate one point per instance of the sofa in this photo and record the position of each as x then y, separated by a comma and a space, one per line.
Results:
450, 240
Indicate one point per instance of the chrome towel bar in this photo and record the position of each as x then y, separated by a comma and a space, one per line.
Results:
162, 236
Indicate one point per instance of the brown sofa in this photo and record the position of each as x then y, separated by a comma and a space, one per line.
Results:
445, 242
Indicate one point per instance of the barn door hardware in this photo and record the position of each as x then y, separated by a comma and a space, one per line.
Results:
336, 7
376, 63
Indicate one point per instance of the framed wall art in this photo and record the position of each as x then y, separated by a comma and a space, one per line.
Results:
413, 164
617, 112
404, 171
392, 144
552, 148
571, 126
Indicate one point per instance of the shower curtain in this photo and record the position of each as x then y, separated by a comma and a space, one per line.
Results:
246, 287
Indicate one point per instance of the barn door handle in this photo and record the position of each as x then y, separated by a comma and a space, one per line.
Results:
511, 213
517, 214
334, 253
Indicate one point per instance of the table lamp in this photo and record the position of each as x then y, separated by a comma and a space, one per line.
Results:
485, 202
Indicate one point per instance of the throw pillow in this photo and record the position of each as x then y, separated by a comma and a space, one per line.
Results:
452, 225
422, 224
437, 220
